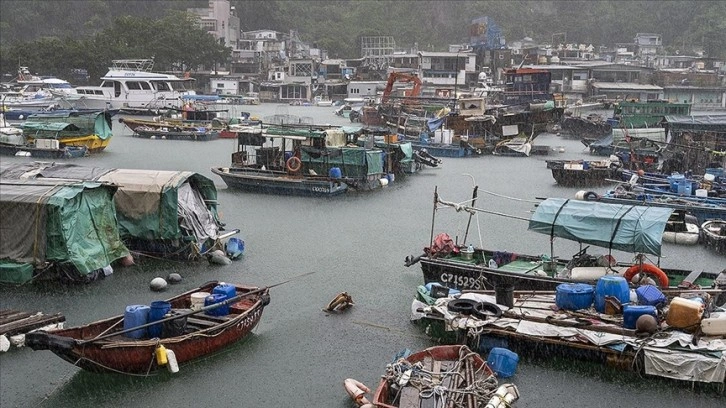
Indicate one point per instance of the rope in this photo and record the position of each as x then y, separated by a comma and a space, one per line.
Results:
463, 384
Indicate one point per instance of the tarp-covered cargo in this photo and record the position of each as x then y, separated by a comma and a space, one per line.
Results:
66, 223
68, 124
354, 162
158, 211
630, 228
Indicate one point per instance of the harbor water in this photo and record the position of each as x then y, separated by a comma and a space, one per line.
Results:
299, 355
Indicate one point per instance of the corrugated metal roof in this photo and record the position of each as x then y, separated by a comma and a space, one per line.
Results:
626, 86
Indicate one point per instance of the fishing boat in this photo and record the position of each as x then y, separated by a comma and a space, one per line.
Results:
703, 208
57, 230
122, 344
582, 173
563, 324
89, 129
164, 214
714, 235
301, 161
450, 373
200, 134
629, 228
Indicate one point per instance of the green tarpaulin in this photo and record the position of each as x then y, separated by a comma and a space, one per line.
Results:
59, 222
630, 228
72, 124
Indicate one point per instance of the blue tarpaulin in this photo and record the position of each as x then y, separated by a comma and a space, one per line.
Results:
629, 228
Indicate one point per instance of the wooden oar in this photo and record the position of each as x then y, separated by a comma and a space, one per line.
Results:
190, 313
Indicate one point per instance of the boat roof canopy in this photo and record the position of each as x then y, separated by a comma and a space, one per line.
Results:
629, 228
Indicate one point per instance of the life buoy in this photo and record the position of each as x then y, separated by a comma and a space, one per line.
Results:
481, 308
649, 269
293, 164
357, 391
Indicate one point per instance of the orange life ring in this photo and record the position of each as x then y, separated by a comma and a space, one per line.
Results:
649, 269
293, 164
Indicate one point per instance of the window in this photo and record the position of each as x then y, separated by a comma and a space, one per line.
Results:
220, 85
133, 85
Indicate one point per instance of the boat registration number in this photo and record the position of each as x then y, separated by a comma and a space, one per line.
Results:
321, 189
461, 282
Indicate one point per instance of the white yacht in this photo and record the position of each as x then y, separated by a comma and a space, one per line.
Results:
131, 85
34, 92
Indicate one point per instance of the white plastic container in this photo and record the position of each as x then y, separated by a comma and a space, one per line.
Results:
701, 192
198, 300
709, 177
714, 325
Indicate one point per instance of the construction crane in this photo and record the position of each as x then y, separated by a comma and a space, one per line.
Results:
394, 77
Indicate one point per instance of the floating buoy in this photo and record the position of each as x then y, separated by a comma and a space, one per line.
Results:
158, 284
356, 390
218, 257
161, 355
174, 278
4, 343
172, 365
128, 260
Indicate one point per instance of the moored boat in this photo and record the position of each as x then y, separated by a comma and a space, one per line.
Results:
641, 335
583, 173
714, 235
91, 130
307, 161
452, 372
57, 229
200, 134
122, 344
164, 214
633, 229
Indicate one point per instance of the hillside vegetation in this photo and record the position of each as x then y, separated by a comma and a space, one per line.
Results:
50, 35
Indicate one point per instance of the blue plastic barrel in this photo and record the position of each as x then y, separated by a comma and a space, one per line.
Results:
158, 310
503, 362
335, 173
136, 315
229, 291
631, 313
215, 298
574, 296
610, 285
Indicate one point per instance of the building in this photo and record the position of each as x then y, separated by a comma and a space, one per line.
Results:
220, 20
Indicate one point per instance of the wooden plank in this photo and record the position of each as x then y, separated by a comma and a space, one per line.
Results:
409, 398
201, 322
30, 323
14, 315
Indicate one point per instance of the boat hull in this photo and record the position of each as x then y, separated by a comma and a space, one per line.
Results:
714, 235
279, 183
385, 397
525, 272
130, 356
174, 135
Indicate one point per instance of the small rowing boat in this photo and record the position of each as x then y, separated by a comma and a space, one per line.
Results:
118, 345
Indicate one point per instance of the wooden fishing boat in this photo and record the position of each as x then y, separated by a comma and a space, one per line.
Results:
560, 325
105, 346
201, 134
307, 161
714, 235
633, 229
452, 372
583, 173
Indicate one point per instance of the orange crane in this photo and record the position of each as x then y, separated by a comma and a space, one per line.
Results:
394, 77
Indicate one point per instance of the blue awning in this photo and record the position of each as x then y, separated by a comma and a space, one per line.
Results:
629, 228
